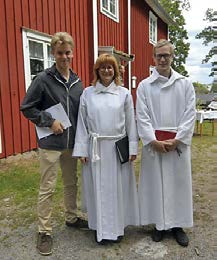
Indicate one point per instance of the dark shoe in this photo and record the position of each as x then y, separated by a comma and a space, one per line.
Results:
79, 223
44, 244
157, 235
118, 240
102, 242
180, 236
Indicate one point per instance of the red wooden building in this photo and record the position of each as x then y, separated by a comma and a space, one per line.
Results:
122, 27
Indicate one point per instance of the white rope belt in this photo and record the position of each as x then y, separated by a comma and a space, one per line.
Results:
95, 137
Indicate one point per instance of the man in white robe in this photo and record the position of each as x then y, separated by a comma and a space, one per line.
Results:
166, 101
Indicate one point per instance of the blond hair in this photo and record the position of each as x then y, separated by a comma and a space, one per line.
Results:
62, 38
162, 43
106, 58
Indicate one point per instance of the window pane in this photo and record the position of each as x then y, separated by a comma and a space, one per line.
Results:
110, 9
35, 49
112, 6
105, 4
150, 29
154, 30
36, 66
50, 57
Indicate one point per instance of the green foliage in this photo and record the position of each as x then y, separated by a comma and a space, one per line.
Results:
177, 33
208, 34
200, 88
214, 88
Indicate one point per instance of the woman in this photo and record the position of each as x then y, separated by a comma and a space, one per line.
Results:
106, 114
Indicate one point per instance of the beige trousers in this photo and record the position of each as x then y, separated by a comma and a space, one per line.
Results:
49, 164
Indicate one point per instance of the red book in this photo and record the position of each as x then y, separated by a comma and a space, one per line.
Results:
162, 135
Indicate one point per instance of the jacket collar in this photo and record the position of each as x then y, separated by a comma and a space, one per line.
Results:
156, 77
112, 88
54, 72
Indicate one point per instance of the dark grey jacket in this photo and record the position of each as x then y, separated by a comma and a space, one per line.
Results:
45, 91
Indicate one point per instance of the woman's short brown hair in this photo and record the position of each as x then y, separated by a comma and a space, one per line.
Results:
106, 58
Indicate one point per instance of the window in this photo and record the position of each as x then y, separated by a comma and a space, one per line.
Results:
37, 54
152, 28
110, 8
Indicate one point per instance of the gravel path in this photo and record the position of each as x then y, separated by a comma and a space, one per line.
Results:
70, 243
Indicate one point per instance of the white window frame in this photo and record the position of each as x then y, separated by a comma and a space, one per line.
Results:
152, 28
107, 11
45, 39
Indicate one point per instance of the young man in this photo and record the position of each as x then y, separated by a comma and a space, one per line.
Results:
166, 102
58, 84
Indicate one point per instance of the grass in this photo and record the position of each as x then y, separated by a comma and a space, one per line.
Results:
19, 182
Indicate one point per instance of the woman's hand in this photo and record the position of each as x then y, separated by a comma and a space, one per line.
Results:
83, 159
132, 157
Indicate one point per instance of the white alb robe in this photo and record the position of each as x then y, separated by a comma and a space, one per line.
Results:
165, 187
109, 188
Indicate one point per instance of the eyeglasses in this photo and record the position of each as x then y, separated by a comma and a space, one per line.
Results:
166, 56
108, 68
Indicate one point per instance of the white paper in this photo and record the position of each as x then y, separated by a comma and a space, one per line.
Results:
58, 113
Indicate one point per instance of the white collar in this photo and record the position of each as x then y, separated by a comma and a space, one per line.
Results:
112, 88
155, 76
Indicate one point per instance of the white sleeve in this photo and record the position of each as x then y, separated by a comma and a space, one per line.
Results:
82, 137
143, 119
130, 125
187, 122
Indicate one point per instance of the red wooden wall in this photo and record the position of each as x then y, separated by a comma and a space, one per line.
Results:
140, 45
75, 17
48, 16
111, 33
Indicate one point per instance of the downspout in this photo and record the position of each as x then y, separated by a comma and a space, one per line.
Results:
95, 30
129, 42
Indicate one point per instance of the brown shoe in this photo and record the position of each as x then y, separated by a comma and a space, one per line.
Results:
44, 244
79, 223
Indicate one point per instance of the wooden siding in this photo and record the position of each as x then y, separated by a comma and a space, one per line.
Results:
140, 45
162, 30
112, 33
48, 16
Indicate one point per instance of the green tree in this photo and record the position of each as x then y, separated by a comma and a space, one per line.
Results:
208, 34
200, 88
177, 33
214, 87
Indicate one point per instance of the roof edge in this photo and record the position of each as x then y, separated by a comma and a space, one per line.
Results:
159, 10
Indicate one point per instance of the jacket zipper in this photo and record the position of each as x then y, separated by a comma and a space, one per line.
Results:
67, 102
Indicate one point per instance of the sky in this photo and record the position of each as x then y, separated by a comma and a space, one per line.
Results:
197, 71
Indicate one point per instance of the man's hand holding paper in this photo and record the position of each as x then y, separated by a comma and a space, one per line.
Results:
57, 127
61, 122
